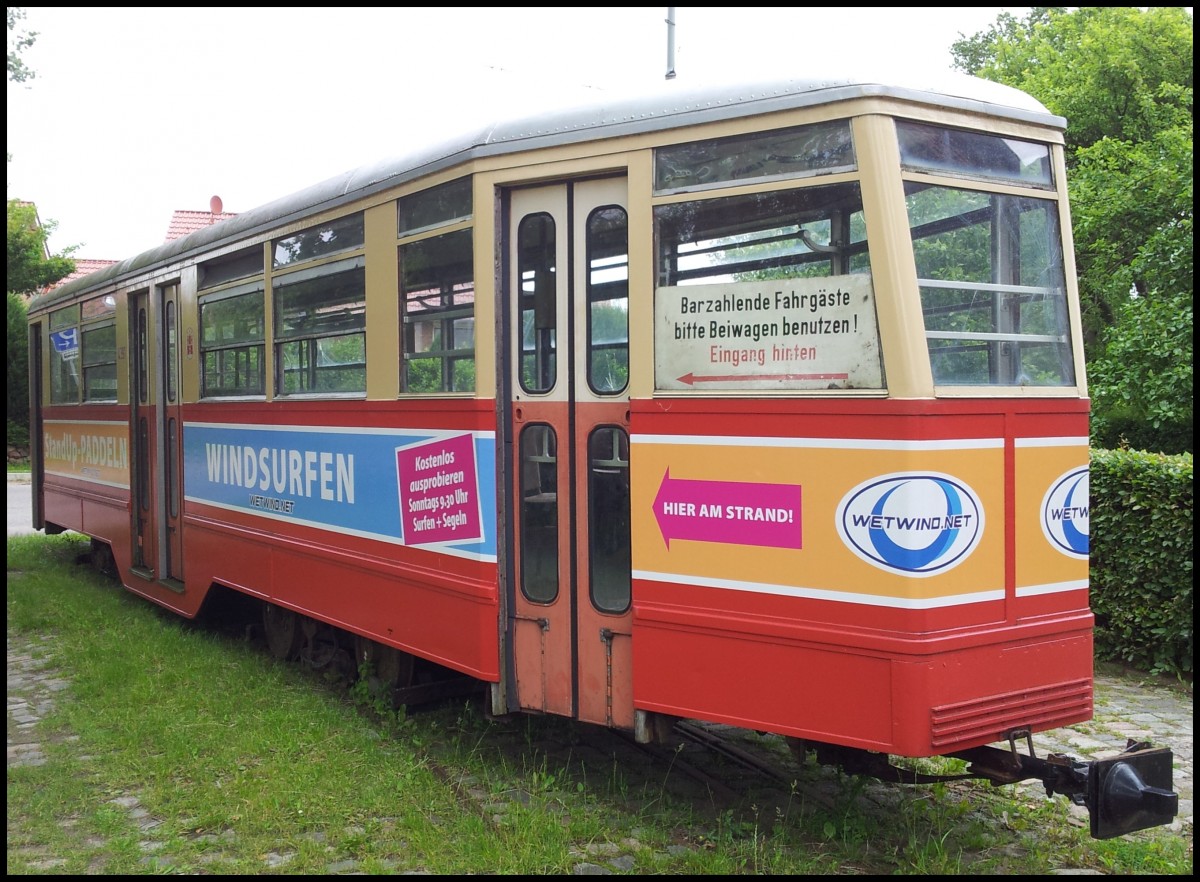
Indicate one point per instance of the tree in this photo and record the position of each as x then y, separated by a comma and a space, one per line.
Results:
19, 41
31, 267
18, 371
30, 270
1122, 77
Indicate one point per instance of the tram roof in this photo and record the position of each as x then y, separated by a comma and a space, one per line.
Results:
663, 106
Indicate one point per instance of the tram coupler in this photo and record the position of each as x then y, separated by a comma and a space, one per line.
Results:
1124, 793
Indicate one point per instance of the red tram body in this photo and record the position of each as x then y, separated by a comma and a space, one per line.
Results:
761, 406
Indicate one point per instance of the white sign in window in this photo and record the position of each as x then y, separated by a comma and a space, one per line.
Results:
790, 334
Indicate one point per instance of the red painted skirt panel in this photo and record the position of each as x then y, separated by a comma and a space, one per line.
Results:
443, 611
908, 694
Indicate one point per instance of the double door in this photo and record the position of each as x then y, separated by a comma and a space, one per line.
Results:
567, 338
157, 419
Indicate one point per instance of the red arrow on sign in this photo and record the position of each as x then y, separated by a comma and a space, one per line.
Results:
692, 379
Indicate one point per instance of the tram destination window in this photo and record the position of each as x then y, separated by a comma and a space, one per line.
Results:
973, 154
343, 234
435, 207
824, 148
232, 342
232, 267
437, 291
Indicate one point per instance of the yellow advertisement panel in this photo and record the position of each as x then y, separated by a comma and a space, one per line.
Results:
96, 451
909, 524
1053, 511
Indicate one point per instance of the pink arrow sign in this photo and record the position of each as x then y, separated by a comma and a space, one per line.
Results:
731, 512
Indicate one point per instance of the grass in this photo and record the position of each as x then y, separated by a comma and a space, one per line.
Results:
182, 749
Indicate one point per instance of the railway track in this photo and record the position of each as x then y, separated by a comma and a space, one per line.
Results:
723, 769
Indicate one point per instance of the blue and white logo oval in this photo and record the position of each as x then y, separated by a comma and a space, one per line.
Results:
1066, 514
913, 524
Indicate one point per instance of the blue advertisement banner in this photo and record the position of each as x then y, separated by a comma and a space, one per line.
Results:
431, 489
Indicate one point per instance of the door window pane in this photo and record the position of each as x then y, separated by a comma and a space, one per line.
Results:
608, 300
538, 302
539, 513
608, 518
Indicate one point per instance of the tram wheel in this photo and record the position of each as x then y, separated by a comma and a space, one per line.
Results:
799, 748
283, 632
392, 667
102, 558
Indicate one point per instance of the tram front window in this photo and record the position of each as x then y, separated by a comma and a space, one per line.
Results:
810, 232
989, 261
989, 267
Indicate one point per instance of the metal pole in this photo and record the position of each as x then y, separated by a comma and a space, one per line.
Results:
670, 42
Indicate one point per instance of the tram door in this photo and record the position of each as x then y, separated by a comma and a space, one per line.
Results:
568, 371
157, 441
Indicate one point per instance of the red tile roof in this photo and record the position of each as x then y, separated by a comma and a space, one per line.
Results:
85, 266
184, 222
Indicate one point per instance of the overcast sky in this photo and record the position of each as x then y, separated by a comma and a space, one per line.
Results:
134, 113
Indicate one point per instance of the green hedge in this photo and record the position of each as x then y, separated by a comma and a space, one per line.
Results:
1141, 559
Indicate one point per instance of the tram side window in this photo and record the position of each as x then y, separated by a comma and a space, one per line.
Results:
99, 357
83, 352
232, 342
769, 290
320, 329
437, 291
98, 354
64, 356
989, 264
